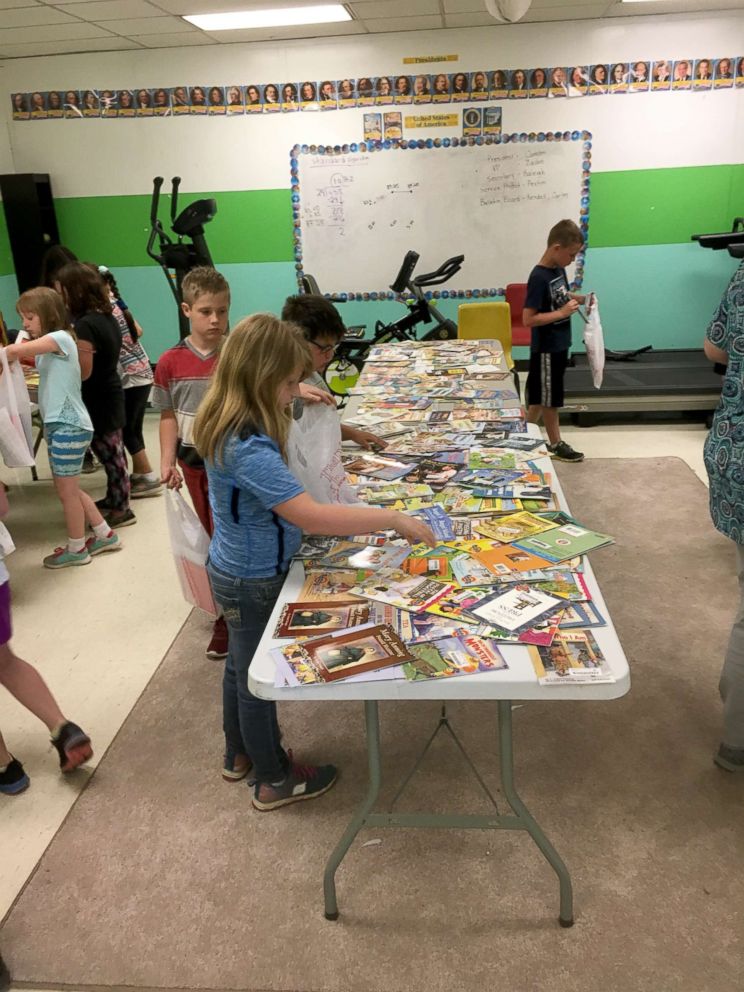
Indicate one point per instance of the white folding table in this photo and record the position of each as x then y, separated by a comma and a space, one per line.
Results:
518, 682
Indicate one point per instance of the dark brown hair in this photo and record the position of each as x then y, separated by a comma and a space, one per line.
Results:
565, 233
316, 315
83, 289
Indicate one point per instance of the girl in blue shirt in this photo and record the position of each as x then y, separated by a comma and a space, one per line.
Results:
67, 424
260, 511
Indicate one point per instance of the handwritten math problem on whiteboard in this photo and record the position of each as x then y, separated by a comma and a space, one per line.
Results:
360, 212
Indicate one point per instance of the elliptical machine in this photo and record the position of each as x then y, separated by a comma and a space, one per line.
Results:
177, 255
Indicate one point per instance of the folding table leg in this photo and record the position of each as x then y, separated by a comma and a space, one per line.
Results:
339, 853
506, 758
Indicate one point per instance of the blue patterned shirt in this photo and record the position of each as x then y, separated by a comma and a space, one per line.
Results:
724, 446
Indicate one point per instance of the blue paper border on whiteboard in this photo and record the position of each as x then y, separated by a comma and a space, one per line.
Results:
426, 144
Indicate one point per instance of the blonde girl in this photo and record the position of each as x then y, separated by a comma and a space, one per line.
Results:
260, 511
67, 425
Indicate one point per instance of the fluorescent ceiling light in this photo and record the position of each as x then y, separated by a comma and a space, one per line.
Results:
279, 17
639, 1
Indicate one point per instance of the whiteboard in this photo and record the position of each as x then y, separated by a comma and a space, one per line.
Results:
358, 212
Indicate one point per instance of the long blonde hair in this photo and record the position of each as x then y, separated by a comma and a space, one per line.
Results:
260, 352
48, 306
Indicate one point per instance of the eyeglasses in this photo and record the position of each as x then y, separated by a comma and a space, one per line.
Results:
325, 349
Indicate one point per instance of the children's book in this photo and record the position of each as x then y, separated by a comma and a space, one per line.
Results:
513, 526
492, 459
468, 571
522, 442
487, 478
465, 654
377, 467
574, 656
564, 542
518, 607
581, 615
355, 651
347, 555
382, 493
407, 592
431, 473
567, 585
456, 603
308, 618
429, 566
330, 586
438, 520
506, 558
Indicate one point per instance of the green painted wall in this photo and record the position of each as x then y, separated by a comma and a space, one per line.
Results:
6, 259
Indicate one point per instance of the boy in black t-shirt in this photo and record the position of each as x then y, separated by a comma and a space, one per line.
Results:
547, 310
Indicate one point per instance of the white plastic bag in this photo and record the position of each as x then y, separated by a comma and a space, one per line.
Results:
16, 435
594, 342
314, 455
190, 547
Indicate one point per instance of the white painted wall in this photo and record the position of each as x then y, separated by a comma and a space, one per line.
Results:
631, 131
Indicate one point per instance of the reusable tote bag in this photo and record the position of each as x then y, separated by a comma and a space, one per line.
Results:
594, 342
190, 547
314, 455
16, 446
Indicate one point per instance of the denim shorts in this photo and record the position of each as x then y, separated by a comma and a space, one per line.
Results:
67, 446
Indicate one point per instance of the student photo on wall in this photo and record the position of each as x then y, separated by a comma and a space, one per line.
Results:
271, 99
38, 106
253, 100
383, 90
619, 78
143, 103
346, 93
557, 84
702, 74
479, 86
723, 73
421, 89
440, 88
72, 104
597, 80
55, 103
216, 100
126, 103
499, 89
403, 90
290, 97
639, 77
19, 102
161, 102
661, 75
518, 89
234, 99
459, 87
538, 83
198, 100
682, 75
365, 92
327, 95
578, 80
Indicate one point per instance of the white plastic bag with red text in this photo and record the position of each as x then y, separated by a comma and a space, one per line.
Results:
190, 547
314, 455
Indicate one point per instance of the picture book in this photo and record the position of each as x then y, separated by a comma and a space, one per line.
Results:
382, 494
517, 607
315, 547
465, 654
491, 459
407, 592
567, 585
574, 656
456, 602
374, 559
428, 565
468, 571
513, 526
506, 558
582, 615
377, 467
522, 442
307, 618
438, 520
431, 473
564, 542
329, 586
356, 651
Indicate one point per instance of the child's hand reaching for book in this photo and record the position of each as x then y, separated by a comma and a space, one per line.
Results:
413, 530
312, 394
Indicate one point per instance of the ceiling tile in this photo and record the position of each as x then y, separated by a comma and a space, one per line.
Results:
26, 17
481, 18
384, 24
464, 6
604, 4
61, 32
109, 10
565, 12
173, 40
131, 26
288, 34
40, 48
392, 8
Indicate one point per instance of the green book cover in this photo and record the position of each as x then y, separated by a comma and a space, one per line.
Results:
564, 542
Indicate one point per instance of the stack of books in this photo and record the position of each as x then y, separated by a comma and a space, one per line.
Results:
508, 568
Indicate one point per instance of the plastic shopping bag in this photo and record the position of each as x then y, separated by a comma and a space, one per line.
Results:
314, 455
16, 437
190, 547
594, 342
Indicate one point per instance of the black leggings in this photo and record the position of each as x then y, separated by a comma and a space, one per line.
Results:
135, 404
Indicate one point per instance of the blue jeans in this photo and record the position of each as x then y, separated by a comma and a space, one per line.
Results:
250, 724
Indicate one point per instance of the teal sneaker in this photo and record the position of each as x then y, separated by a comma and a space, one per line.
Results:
62, 557
100, 545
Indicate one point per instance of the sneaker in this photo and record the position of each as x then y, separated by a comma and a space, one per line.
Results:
73, 746
217, 647
119, 518
564, 452
141, 488
730, 758
236, 768
100, 545
302, 782
14, 780
90, 465
62, 557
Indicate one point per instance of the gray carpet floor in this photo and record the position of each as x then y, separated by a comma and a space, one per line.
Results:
163, 876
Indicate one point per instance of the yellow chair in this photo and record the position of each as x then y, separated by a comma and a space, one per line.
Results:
486, 320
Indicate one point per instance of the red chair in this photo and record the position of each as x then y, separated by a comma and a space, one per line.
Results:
515, 294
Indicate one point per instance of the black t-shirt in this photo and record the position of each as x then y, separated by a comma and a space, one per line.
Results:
547, 291
103, 394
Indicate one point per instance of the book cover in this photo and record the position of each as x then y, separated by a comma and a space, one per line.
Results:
465, 654
377, 467
582, 615
347, 555
322, 586
359, 649
574, 656
492, 459
513, 526
564, 542
428, 565
308, 618
407, 592
519, 606
505, 558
